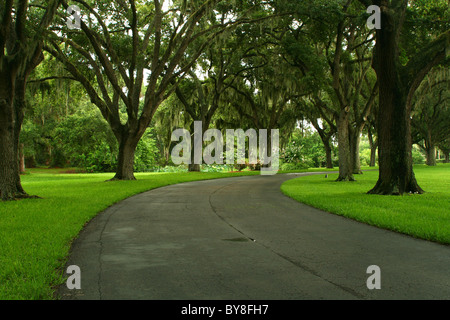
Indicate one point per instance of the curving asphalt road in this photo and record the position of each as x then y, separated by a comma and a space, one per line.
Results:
241, 238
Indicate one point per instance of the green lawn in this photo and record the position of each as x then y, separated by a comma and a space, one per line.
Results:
425, 216
35, 234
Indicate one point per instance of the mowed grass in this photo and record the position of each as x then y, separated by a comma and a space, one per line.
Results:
36, 234
425, 216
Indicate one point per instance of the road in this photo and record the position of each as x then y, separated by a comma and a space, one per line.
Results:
241, 238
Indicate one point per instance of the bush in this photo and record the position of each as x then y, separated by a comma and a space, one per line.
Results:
364, 157
99, 160
86, 141
305, 150
147, 153
417, 156
293, 166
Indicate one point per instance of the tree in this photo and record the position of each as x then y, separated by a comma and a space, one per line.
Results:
400, 69
431, 113
445, 147
223, 62
371, 135
354, 89
169, 116
139, 41
314, 111
264, 97
22, 24
338, 65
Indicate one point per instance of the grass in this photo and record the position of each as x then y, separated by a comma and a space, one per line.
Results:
425, 216
36, 234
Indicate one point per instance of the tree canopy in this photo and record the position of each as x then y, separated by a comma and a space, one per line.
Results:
107, 93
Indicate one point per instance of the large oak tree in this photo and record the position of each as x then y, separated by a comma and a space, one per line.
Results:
135, 58
401, 64
22, 25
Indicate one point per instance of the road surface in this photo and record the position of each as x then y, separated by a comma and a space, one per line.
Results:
241, 238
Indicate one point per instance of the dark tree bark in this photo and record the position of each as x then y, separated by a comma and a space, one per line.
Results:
345, 164
19, 107
328, 153
195, 167
21, 159
125, 164
396, 174
373, 149
11, 117
8, 188
431, 154
429, 148
12, 103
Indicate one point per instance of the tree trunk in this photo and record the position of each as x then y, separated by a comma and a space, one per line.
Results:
8, 188
447, 157
430, 149
21, 159
127, 150
8, 159
19, 107
345, 166
325, 137
373, 155
373, 149
396, 174
431, 155
328, 153
195, 167
355, 139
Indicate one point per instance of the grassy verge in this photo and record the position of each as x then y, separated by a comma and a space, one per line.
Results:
425, 216
35, 234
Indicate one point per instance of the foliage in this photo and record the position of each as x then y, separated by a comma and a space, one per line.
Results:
417, 155
147, 156
291, 166
305, 149
85, 141
431, 110
82, 140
